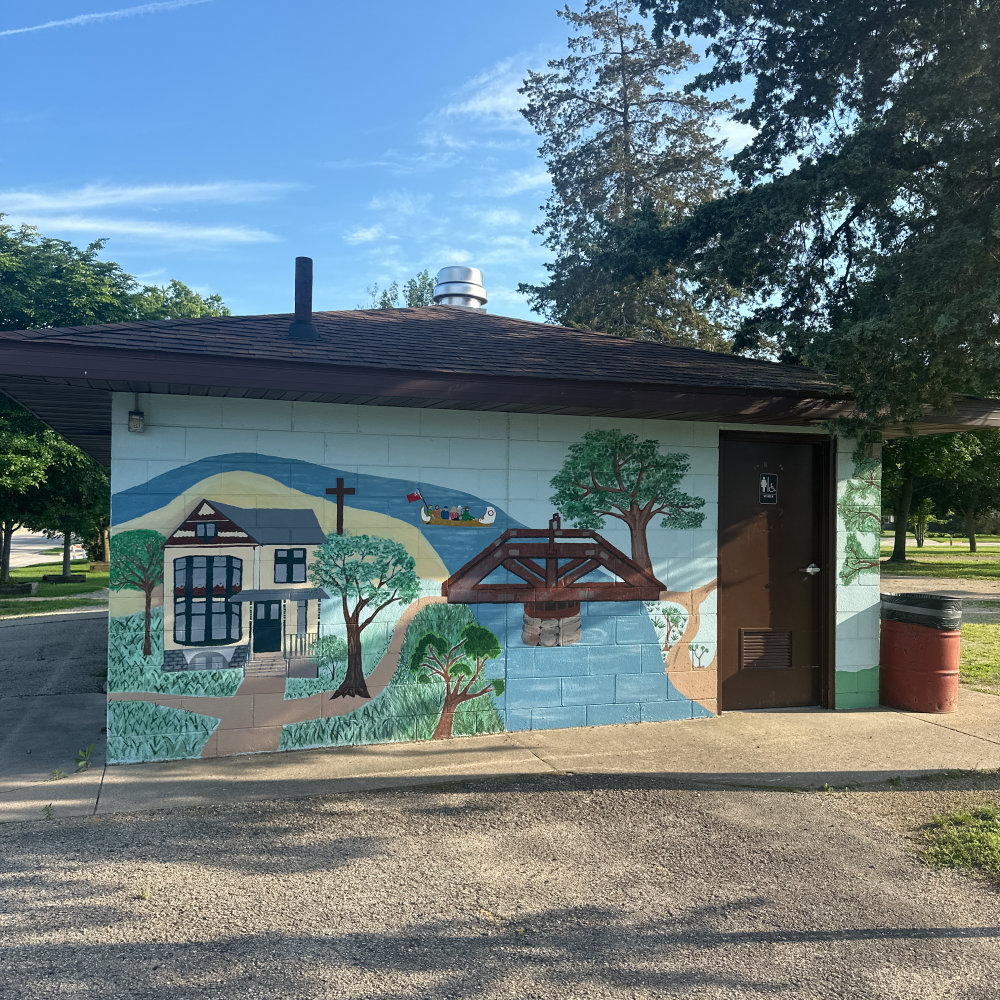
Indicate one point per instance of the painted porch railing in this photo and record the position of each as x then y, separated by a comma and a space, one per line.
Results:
299, 644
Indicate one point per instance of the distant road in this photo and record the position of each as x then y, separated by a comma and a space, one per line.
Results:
27, 548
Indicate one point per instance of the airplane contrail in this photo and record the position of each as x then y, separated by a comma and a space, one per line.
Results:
111, 15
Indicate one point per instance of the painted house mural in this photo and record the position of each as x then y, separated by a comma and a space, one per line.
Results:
515, 527
367, 612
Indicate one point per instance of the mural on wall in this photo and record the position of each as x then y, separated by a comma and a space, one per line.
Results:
325, 616
860, 509
613, 474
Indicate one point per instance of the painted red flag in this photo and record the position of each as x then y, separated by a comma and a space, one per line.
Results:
414, 496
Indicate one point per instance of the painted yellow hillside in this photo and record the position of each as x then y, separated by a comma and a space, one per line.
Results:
249, 489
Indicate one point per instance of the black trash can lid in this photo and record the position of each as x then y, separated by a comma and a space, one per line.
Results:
929, 610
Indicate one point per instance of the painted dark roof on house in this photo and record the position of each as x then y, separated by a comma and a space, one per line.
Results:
440, 356
274, 526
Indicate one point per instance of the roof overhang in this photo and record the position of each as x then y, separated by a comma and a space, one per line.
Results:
69, 388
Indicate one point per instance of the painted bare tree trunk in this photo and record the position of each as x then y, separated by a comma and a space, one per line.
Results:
443, 729
354, 684
147, 644
637, 524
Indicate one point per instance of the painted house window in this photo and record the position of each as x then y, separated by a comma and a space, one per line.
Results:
207, 529
290, 566
203, 615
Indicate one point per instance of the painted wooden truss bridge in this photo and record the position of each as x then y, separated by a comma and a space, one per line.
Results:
551, 572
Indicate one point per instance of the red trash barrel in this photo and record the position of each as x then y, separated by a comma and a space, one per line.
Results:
919, 651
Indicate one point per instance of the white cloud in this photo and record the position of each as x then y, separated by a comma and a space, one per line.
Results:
103, 195
502, 217
492, 95
111, 15
168, 231
519, 181
399, 203
735, 135
362, 235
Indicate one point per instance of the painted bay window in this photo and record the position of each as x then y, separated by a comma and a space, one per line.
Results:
203, 615
289, 565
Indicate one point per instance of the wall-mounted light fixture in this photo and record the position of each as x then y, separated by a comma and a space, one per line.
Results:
136, 418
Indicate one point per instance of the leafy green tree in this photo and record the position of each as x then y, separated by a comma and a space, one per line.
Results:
330, 653
26, 448
46, 282
612, 474
973, 490
137, 564
417, 291
866, 221
369, 574
74, 499
911, 464
616, 136
460, 666
176, 301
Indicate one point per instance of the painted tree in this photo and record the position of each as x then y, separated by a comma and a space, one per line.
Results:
369, 574
137, 564
460, 666
618, 134
612, 474
671, 621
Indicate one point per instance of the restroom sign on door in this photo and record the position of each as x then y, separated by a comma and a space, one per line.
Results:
768, 487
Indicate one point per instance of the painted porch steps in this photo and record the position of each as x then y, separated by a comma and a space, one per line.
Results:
266, 665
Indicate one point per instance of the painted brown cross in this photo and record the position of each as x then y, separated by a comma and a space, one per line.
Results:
553, 570
340, 491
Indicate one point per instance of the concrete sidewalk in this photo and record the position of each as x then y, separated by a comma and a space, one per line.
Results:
777, 749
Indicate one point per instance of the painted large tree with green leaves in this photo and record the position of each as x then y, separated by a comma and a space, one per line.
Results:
368, 574
459, 666
866, 220
613, 474
137, 564
617, 133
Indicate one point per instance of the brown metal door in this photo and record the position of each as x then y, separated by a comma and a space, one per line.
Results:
772, 529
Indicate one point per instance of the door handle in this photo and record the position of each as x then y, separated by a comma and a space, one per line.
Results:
812, 569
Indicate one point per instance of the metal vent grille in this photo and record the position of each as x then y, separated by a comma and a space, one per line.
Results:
764, 649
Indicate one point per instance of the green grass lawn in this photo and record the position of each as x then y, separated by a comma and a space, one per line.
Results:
20, 606
965, 840
65, 595
980, 663
953, 563
28, 574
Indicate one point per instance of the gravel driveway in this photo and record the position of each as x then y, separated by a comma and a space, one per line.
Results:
565, 886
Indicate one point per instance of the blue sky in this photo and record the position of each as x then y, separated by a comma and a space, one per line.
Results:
215, 140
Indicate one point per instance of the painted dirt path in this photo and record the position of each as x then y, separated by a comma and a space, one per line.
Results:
251, 720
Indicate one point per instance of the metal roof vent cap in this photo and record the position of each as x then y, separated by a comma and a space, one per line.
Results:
460, 286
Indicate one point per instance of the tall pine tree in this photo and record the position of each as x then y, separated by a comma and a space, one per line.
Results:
866, 221
617, 135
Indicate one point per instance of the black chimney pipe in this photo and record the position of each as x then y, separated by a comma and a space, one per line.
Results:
302, 327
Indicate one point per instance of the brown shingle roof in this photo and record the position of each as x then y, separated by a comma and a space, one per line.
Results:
445, 340
441, 356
